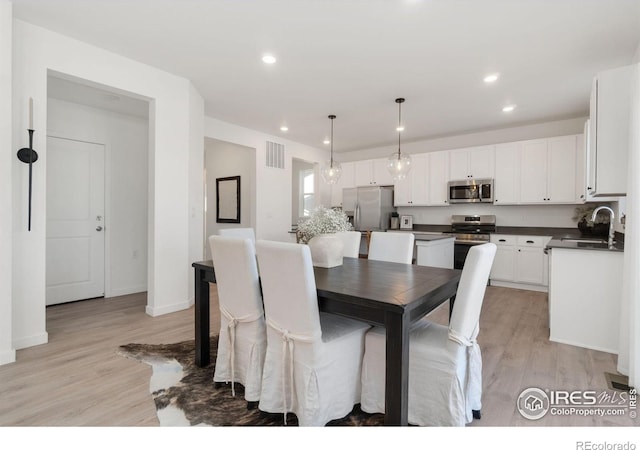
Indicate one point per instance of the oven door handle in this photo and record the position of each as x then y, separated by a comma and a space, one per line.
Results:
469, 242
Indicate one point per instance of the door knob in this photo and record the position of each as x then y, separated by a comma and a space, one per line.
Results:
98, 228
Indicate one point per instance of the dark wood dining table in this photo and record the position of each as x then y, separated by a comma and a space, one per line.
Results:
381, 293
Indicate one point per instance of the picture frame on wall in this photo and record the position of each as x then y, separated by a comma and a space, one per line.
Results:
406, 222
228, 199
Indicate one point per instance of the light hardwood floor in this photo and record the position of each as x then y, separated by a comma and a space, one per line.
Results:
77, 379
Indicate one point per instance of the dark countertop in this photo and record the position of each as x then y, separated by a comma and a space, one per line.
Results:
572, 245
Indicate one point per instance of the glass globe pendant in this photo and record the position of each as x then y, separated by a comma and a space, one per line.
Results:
331, 170
398, 163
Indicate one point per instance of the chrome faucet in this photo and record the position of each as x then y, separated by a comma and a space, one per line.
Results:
611, 232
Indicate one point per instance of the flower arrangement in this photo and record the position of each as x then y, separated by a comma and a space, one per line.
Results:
321, 221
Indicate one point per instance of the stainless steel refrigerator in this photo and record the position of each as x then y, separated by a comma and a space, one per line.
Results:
368, 208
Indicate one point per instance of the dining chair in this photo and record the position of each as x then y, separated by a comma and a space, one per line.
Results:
242, 341
391, 246
245, 233
313, 361
350, 242
445, 363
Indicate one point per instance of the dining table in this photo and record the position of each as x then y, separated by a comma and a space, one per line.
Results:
381, 293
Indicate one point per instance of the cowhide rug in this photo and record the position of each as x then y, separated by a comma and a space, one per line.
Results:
185, 394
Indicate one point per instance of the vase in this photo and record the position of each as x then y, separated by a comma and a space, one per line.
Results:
326, 250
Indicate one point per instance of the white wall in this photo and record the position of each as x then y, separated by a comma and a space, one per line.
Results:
126, 144
273, 186
224, 159
196, 182
521, 133
174, 107
7, 153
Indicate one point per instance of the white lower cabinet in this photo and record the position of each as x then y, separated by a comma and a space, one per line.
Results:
520, 262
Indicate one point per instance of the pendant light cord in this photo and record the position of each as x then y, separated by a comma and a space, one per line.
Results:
399, 102
332, 116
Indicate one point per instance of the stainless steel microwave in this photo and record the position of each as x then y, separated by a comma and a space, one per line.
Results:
471, 191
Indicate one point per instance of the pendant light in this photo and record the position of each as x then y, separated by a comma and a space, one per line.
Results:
399, 163
332, 169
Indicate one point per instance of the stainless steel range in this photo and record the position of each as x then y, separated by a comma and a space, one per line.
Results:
468, 231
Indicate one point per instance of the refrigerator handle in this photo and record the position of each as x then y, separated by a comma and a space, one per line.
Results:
356, 218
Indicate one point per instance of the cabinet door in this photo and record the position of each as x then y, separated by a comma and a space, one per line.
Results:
402, 191
346, 181
419, 179
438, 172
561, 170
507, 174
530, 265
481, 162
363, 172
533, 171
503, 263
381, 175
459, 164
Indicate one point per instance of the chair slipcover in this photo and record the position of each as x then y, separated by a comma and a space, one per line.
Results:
245, 233
313, 362
242, 342
445, 364
350, 242
391, 247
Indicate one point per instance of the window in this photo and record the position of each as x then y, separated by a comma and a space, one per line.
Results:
307, 201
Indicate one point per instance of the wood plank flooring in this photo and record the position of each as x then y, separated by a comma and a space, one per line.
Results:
77, 379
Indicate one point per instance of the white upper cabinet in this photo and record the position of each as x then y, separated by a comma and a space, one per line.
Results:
474, 162
506, 187
346, 180
372, 172
609, 115
548, 170
438, 178
413, 190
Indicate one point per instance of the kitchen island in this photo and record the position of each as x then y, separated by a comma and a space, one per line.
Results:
585, 290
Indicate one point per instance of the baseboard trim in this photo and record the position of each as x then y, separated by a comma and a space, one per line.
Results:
7, 357
31, 341
582, 345
160, 311
526, 287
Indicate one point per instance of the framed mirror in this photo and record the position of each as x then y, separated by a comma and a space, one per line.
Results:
228, 200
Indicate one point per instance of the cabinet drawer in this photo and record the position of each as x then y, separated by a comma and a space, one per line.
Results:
503, 239
532, 241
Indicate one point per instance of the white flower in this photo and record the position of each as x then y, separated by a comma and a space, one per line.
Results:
321, 221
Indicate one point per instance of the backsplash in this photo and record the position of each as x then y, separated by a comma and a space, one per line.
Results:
513, 216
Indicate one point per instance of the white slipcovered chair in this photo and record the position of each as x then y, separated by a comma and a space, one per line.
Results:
391, 247
245, 233
242, 342
313, 362
445, 364
350, 243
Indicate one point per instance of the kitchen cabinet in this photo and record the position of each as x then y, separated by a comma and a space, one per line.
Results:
413, 190
520, 262
435, 251
609, 114
438, 178
473, 162
372, 172
548, 170
585, 290
346, 180
426, 182
506, 185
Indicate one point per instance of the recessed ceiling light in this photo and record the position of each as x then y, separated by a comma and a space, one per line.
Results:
326, 142
283, 128
268, 59
400, 128
508, 108
491, 78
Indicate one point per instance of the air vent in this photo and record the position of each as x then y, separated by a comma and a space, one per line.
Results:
275, 155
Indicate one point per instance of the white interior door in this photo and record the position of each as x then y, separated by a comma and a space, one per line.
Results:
75, 220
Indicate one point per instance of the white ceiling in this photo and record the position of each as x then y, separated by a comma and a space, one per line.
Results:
352, 58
